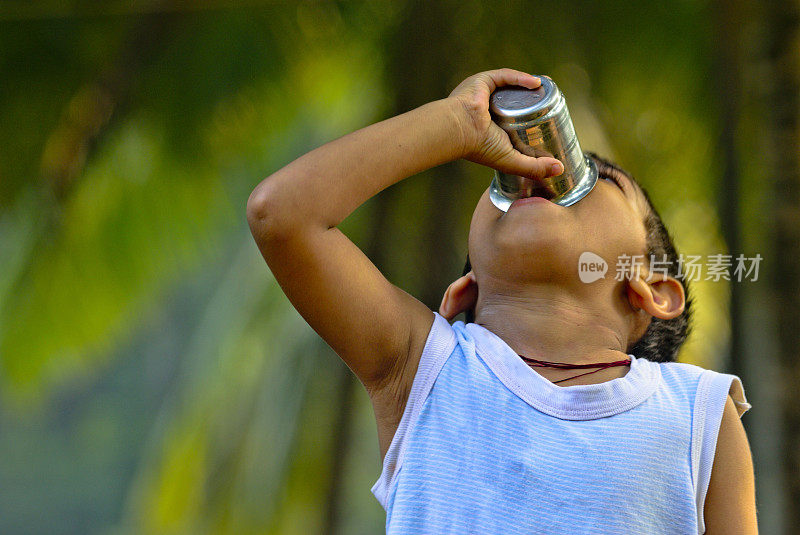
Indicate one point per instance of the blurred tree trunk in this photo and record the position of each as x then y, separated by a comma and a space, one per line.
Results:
420, 73
729, 89
783, 30
348, 383
752, 355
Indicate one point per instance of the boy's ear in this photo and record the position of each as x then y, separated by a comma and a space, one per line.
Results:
661, 297
460, 296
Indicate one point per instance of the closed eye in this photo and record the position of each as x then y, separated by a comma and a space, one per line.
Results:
615, 180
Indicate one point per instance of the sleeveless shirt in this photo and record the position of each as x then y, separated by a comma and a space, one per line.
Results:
488, 445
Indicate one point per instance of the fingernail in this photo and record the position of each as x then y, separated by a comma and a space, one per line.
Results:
556, 169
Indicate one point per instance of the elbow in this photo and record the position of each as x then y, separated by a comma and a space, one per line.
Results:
265, 215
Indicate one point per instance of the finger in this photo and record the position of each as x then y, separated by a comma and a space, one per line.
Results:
501, 77
516, 163
444, 309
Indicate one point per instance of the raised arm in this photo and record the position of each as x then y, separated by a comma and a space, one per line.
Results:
293, 214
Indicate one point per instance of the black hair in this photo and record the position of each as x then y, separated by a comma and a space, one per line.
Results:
663, 338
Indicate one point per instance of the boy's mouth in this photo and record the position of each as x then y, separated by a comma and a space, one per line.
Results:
530, 200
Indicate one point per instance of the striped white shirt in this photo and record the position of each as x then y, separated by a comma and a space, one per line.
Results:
487, 445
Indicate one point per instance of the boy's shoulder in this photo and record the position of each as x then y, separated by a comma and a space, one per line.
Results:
708, 384
681, 372
681, 376
683, 368
703, 383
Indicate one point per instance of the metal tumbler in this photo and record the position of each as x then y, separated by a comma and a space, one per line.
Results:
538, 123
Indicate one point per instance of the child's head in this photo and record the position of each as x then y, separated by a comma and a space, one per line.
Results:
533, 250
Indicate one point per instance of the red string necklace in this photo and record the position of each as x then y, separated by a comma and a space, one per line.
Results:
600, 366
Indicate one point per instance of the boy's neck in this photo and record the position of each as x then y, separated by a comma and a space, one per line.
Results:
554, 326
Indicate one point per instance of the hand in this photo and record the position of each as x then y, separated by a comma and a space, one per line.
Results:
485, 142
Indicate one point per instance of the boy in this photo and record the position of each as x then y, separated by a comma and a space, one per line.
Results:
473, 439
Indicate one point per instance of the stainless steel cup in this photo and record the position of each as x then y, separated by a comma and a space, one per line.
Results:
538, 123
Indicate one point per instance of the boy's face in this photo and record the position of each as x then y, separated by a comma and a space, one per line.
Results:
542, 241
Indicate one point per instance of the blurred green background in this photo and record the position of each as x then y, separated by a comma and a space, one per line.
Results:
154, 378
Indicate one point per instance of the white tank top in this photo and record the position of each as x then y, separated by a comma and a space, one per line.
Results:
487, 445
